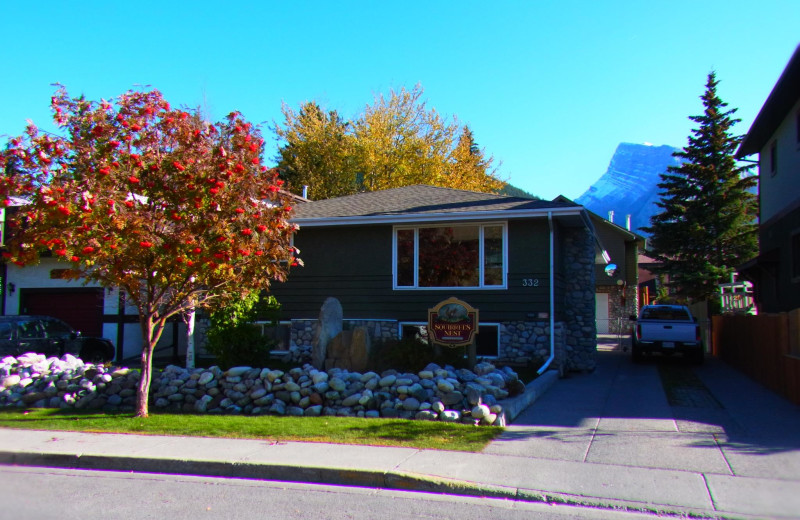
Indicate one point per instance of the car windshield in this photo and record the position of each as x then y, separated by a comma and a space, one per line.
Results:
665, 313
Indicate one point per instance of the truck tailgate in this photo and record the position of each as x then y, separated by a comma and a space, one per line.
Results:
681, 331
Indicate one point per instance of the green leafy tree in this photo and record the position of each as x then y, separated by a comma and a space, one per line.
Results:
396, 141
177, 212
707, 223
318, 152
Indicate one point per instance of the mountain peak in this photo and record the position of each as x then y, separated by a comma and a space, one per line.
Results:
630, 184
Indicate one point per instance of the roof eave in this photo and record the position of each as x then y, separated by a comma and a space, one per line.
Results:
781, 99
435, 217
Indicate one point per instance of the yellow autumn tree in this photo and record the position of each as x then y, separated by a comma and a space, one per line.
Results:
396, 141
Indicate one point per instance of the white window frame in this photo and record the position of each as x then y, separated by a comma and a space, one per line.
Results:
481, 226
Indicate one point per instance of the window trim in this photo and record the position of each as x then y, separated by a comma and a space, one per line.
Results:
495, 324
503, 224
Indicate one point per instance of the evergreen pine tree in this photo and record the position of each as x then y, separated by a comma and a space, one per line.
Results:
707, 225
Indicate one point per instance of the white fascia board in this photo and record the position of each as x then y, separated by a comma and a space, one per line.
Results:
435, 217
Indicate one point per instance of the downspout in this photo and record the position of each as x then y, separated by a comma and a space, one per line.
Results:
552, 299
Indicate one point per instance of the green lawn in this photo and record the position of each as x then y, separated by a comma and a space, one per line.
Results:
342, 430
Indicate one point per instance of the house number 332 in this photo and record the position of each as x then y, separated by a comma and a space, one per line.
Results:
530, 282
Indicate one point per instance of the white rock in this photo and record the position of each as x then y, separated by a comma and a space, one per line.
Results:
237, 371
450, 416
272, 375
205, 378
444, 385
481, 411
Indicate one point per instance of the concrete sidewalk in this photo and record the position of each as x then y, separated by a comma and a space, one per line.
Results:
606, 439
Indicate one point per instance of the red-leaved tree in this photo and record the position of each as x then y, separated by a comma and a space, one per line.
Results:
177, 212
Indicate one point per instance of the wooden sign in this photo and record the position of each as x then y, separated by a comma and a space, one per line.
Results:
452, 323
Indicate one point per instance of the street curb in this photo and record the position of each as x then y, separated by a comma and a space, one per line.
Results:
399, 481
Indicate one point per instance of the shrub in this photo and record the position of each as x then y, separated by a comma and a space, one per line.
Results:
239, 345
232, 337
412, 355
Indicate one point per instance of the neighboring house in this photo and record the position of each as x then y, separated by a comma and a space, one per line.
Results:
775, 137
87, 307
527, 265
43, 289
616, 273
617, 290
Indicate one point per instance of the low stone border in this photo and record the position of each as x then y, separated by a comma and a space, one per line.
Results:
435, 393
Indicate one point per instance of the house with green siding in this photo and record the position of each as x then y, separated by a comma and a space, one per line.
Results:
527, 265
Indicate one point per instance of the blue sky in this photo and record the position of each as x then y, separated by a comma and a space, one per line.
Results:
548, 88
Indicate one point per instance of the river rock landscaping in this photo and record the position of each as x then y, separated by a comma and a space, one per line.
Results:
435, 393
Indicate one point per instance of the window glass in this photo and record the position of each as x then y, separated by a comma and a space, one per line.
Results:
5, 331
665, 313
56, 329
493, 255
405, 258
30, 329
448, 256
487, 341
796, 255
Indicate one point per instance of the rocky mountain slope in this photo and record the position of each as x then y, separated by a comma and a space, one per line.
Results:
630, 184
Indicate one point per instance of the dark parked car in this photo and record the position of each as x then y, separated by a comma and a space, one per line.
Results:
52, 337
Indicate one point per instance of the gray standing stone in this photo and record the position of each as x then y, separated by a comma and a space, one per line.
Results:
328, 327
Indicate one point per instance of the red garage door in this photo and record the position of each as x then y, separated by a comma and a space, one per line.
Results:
81, 308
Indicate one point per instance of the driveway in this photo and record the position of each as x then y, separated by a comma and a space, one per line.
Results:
709, 419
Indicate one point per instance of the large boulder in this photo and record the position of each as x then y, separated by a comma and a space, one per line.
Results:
328, 327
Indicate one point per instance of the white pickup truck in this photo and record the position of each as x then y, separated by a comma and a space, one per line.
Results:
667, 329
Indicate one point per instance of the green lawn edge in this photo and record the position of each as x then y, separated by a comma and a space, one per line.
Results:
433, 435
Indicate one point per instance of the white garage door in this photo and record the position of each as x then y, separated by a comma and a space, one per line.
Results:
601, 312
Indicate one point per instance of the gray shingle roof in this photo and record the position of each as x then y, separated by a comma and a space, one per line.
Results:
419, 200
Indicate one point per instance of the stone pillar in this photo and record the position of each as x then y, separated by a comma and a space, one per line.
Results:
579, 287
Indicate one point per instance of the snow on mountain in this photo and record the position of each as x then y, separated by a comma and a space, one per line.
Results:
630, 185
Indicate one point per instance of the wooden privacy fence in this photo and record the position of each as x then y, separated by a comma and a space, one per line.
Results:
765, 347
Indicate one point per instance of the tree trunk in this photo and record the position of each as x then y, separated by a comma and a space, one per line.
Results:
143, 393
151, 332
190, 354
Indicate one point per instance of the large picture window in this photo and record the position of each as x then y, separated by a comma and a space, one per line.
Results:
468, 256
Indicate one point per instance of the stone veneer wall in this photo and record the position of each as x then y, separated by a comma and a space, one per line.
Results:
523, 341
303, 331
579, 309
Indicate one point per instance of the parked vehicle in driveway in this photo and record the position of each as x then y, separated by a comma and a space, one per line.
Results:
51, 337
667, 329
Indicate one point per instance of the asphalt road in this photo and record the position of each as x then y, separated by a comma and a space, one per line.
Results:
48, 493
